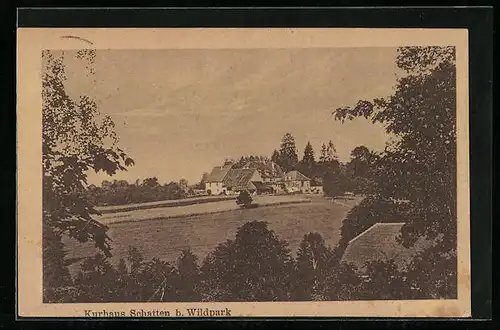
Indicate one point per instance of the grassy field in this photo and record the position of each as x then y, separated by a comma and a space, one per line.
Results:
216, 206
165, 238
162, 204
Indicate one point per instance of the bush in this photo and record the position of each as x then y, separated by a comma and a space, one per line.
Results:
244, 199
255, 266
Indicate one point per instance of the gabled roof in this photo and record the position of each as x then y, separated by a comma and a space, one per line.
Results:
239, 178
261, 186
218, 173
379, 243
266, 168
296, 176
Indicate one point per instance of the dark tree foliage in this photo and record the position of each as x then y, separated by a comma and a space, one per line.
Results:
55, 272
190, 276
328, 153
313, 264
288, 158
308, 157
421, 166
361, 170
244, 199
433, 274
255, 266
120, 192
383, 281
330, 171
275, 157
96, 280
342, 282
307, 165
336, 183
75, 140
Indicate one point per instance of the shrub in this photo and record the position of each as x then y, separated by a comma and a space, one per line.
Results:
255, 266
244, 199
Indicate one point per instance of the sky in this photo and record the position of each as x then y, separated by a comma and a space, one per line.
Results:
180, 112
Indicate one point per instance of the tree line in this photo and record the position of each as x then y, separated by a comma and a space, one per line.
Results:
120, 192
255, 266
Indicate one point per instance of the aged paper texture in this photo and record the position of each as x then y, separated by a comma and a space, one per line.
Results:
243, 172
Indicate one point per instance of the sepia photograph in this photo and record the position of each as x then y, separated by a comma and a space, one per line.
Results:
211, 177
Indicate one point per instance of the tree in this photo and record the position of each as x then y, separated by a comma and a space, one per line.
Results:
288, 158
421, 165
328, 162
335, 183
55, 272
342, 283
151, 190
172, 190
189, 276
203, 179
323, 156
244, 199
275, 158
74, 141
184, 185
308, 157
308, 163
361, 170
439, 278
328, 153
96, 280
331, 152
362, 161
255, 266
312, 265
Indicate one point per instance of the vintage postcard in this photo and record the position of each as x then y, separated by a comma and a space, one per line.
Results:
243, 172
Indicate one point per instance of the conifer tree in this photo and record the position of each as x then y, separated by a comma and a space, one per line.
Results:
288, 152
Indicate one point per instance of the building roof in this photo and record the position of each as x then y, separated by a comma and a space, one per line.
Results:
239, 178
379, 243
266, 168
263, 187
218, 174
296, 176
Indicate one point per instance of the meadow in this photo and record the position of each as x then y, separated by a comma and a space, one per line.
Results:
188, 208
163, 204
166, 237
